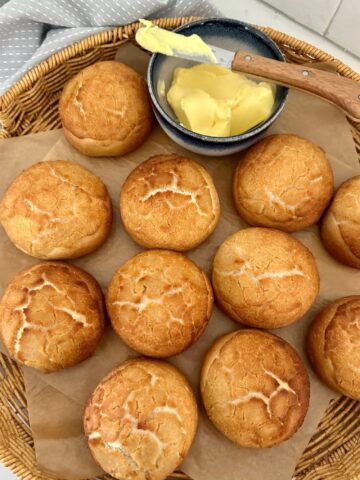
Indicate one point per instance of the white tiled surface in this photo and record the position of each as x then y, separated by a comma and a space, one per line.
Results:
316, 14
345, 27
6, 475
338, 20
256, 12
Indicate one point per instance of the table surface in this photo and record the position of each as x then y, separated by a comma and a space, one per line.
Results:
254, 11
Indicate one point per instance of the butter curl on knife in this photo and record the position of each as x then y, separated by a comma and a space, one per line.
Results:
158, 40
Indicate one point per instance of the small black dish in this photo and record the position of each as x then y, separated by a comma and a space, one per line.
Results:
221, 32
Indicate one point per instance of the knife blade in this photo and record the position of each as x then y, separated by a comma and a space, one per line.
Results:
224, 58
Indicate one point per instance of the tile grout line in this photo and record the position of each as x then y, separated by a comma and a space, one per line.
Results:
292, 19
322, 35
332, 18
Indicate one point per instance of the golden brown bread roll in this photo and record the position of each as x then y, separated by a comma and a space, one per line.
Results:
255, 388
333, 345
55, 210
105, 110
169, 202
340, 228
284, 182
141, 420
159, 302
264, 278
52, 316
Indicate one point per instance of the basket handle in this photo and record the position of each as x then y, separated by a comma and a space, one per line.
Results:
340, 91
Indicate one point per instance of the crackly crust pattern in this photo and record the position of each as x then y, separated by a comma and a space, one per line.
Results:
255, 388
264, 278
56, 210
284, 182
141, 420
51, 316
170, 202
105, 109
159, 302
333, 344
340, 228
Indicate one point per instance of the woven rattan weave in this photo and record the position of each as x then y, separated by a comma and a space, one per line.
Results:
31, 106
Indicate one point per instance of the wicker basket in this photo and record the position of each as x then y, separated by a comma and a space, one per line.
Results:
31, 106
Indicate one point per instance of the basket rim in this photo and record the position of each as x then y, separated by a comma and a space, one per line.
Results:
112, 35
125, 32
299, 50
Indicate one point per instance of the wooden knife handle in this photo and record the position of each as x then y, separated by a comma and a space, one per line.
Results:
341, 91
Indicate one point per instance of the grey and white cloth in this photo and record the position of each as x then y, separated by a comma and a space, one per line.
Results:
32, 30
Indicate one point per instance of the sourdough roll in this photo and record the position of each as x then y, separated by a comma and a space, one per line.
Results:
141, 420
56, 210
105, 110
159, 302
284, 182
255, 388
264, 278
333, 345
170, 202
340, 228
52, 316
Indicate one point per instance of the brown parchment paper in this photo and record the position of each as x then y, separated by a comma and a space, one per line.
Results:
56, 401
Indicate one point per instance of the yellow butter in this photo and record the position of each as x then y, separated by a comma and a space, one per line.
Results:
215, 101
158, 40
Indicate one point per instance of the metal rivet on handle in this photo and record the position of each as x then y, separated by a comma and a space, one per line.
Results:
248, 58
359, 96
306, 73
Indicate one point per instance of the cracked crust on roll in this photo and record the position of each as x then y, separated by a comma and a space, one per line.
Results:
56, 210
333, 345
52, 316
283, 182
340, 228
255, 388
105, 110
159, 302
141, 420
169, 202
264, 278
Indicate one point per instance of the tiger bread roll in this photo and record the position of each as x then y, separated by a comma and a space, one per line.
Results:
333, 345
255, 388
340, 227
56, 210
141, 420
159, 302
283, 182
105, 110
264, 278
51, 316
170, 202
